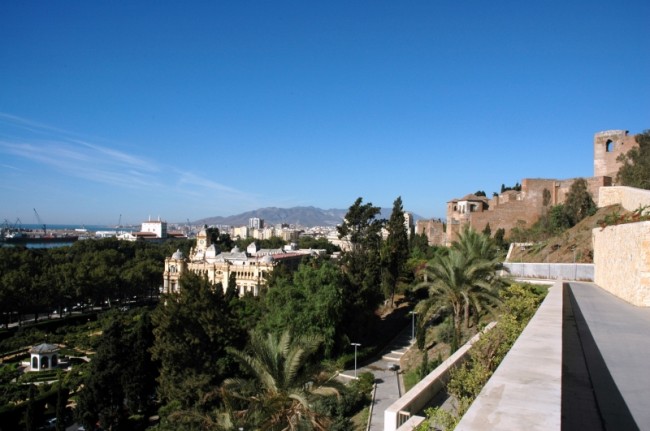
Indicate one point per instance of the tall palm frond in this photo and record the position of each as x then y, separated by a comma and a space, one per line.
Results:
465, 279
280, 400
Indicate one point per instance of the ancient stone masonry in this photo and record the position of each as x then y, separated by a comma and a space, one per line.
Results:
516, 209
523, 208
433, 229
608, 145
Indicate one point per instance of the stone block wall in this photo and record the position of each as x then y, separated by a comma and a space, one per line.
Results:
622, 261
608, 145
523, 209
434, 230
629, 198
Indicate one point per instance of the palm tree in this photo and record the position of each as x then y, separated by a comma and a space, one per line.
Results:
475, 244
278, 397
465, 280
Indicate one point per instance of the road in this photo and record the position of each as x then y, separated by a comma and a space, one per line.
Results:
389, 382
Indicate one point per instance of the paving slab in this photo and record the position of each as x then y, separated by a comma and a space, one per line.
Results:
618, 356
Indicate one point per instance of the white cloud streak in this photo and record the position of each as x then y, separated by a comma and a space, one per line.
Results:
74, 156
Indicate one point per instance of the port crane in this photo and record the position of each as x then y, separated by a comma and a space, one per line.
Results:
38, 219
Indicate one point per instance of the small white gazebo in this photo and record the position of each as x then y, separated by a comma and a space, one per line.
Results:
44, 357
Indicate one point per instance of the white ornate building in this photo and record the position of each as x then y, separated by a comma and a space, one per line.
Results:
250, 268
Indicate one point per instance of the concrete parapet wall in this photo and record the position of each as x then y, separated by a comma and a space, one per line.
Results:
525, 391
424, 391
622, 260
552, 271
629, 198
412, 423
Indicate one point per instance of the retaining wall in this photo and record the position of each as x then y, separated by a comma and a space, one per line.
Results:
412, 402
552, 271
622, 260
629, 198
525, 391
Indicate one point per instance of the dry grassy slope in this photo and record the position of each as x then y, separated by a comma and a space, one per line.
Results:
575, 242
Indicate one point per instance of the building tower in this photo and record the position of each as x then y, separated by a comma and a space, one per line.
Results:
608, 145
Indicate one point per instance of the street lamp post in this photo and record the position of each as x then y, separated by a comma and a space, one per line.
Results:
355, 357
413, 313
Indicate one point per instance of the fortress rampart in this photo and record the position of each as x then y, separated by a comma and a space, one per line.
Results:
519, 209
433, 229
608, 146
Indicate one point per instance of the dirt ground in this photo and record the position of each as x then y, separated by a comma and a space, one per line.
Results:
573, 245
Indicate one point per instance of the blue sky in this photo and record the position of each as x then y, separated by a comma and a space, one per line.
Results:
186, 110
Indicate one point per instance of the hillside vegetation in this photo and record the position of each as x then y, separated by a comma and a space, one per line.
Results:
572, 245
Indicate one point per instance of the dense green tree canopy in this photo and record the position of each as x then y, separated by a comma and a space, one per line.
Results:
92, 272
635, 171
192, 329
102, 398
309, 303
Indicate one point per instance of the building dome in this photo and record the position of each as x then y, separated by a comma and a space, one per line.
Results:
178, 255
235, 250
44, 348
268, 259
211, 252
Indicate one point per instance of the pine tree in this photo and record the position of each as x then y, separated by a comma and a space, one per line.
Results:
31, 415
139, 379
102, 397
396, 249
579, 203
61, 402
361, 265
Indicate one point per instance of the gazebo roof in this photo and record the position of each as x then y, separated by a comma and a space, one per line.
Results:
44, 348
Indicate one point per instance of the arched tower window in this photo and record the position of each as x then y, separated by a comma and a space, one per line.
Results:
609, 146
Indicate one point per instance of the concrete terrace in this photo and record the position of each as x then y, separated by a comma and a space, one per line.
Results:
581, 363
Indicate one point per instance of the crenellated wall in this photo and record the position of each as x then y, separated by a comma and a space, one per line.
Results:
521, 209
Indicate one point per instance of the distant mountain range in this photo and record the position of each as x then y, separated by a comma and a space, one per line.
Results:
303, 216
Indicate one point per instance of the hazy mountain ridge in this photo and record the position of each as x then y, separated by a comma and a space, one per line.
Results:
303, 216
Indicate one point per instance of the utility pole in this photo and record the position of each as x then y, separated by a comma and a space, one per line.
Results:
412, 313
355, 357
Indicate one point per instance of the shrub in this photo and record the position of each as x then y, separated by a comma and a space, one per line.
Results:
520, 301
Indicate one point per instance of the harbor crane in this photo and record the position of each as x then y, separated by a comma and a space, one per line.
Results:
38, 219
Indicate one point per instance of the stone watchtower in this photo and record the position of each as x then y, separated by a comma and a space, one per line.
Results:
608, 145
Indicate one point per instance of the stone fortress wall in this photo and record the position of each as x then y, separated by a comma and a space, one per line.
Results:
608, 145
530, 203
434, 230
523, 208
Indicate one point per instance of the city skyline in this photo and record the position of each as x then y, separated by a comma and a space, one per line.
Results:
214, 109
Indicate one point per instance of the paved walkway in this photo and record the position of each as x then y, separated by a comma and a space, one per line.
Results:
616, 343
389, 383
